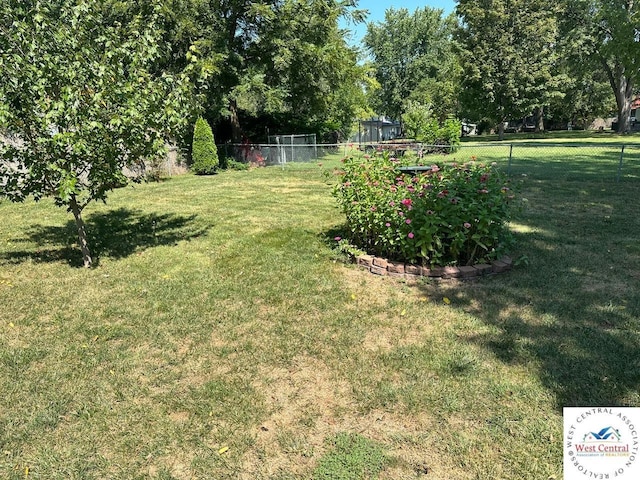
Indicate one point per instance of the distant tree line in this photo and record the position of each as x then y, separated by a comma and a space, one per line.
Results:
564, 61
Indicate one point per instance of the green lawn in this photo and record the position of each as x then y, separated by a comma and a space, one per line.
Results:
220, 336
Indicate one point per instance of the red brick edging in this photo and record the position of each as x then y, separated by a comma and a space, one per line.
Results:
384, 267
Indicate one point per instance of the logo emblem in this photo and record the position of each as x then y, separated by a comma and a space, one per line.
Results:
601, 442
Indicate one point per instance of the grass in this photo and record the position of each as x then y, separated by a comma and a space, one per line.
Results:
219, 337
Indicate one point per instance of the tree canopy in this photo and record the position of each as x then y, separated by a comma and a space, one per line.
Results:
509, 57
414, 59
607, 32
279, 63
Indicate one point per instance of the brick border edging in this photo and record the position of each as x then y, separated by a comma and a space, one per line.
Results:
382, 266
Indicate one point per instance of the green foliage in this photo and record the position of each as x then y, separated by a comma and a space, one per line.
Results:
352, 457
509, 57
92, 104
450, 132
418, 120
413, 56
424, 127
235, 165
283, 63
448, 214
600, 38
204, 152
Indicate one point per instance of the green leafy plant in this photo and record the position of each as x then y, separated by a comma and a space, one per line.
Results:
445, 214
204, 151
421, 124
94, 104
235, 165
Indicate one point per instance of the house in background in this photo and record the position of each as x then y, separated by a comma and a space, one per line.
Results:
634, 125
377, 129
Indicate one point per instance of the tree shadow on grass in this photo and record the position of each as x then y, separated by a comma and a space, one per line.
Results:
572, 313
114, 234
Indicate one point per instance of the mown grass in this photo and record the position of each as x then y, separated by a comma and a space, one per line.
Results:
219, 337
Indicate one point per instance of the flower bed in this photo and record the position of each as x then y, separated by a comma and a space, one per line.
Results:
448, 214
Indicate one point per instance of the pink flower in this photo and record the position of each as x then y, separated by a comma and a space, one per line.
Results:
484, 177
443, 193
408, 221
337, 239
407, 202
392, 203
373, 209
411, 235
387, 224
467, 225
401, 213
435, 168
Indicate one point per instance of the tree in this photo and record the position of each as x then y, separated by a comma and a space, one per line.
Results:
509, 57
414, 59
204, 151
418, 120
81, 95
587, 92
608, 32
277, 62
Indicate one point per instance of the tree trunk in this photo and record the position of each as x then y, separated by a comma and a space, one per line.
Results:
501, 130
539, 116
82, 232
623, 90
236, 131
624, 99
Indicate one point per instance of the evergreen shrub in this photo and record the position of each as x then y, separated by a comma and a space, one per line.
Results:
204, 152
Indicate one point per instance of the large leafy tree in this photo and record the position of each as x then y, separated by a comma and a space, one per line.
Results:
279, 62
509, 57
82, 98
414, 59
607, 33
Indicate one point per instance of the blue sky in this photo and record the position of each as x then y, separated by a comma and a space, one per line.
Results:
378, 7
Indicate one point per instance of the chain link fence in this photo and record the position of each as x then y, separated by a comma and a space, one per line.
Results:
263, 154
560, 161
551, 160
578, 161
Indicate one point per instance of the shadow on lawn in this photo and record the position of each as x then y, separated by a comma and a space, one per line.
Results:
574, 312
116, 234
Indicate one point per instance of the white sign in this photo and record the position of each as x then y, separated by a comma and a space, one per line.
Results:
601, 443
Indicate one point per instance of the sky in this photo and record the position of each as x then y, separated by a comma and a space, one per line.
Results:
377, 8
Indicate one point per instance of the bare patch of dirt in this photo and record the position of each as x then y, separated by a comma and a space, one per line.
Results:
308, 405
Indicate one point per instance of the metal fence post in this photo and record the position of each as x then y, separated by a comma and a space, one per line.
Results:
510, 156
620, 164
